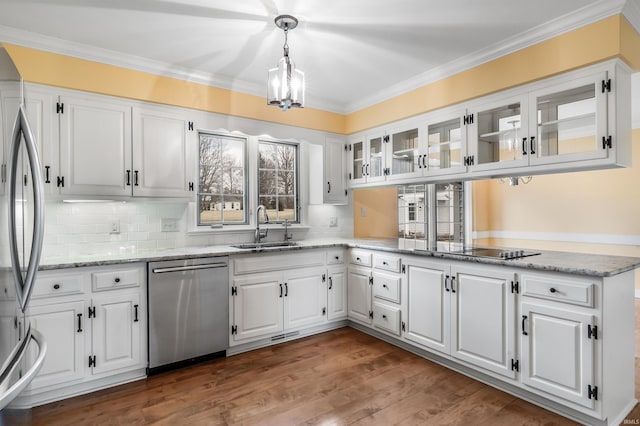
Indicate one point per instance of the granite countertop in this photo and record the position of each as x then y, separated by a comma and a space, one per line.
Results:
554, 261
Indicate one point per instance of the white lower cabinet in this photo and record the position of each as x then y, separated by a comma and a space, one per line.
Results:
359, 294
116, 332
557, 353
63, 326
337, 293
95, 337
465, 312
290, 294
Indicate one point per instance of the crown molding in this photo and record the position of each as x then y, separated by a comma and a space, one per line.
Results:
587, 15
631, 11
584, 16
109, 57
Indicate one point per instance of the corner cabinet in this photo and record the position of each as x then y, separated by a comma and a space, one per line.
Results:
579, 120
94, 323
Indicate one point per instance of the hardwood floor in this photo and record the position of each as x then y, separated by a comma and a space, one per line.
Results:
335, 378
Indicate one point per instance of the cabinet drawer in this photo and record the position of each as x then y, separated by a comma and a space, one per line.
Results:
386, 317
115, 279
359, 257
567, 290
335, 256
58, 285
389, 263
386, 286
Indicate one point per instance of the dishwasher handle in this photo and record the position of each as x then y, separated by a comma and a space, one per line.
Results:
189, 268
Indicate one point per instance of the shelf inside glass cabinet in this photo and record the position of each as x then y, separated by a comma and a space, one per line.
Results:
584, 122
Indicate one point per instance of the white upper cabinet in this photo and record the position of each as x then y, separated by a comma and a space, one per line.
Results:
161, 164
334, 177
446, 142
579, 120
403, 152
95, 146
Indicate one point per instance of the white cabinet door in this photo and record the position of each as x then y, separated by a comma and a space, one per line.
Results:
337, 294
483, 318
160, 163
305, 298
40, 107
569, 121
359, 294
446, 142
404, 159
257, 306
428, 309
557, 353
64, 327
335, 186
95, 146
116, 332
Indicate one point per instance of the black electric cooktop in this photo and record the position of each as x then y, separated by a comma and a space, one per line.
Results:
496, 253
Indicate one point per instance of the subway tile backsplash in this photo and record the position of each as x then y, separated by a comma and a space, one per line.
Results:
84, 230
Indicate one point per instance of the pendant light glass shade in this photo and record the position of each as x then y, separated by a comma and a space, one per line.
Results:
285, 84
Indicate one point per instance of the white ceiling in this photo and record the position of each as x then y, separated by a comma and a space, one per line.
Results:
354, 52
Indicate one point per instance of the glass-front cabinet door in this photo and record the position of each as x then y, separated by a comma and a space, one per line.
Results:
405, 160
446, 145
375, 167
498, 134
357, 156
570, 121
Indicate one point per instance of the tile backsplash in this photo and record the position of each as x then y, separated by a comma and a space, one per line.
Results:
85, 230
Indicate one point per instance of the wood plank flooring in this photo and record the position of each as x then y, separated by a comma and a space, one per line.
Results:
335, 378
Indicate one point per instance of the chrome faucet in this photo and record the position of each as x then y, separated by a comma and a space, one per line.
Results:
261, 234
287, 236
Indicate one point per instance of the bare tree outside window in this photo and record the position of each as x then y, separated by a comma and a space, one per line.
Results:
221, 190
278, 180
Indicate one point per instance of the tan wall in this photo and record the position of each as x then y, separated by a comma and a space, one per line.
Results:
605, 203
609, 38
381, 213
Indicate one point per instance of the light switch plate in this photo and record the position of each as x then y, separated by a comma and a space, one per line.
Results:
333, 221
114, 227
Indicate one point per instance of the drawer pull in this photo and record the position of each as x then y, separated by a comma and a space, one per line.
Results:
385, 263
117, 280
385, 286
384, 316
358, 259
56, 286
552, 290
337, 257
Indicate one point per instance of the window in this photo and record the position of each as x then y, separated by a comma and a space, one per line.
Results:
278, 180
222, 190
433, 214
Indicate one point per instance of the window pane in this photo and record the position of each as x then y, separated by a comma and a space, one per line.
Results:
278, 180
222, 194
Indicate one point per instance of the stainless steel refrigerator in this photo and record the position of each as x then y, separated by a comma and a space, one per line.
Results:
22, 348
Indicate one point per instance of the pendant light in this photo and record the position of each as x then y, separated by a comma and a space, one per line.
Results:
285, 86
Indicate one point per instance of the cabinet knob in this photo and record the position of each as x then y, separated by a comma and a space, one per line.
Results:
385, 263
337, 257
56, 286
117, 280
552, 290
384, 316
358, 259
384, 286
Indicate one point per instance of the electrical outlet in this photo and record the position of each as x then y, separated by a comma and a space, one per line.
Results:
333, 221
114, 227
169, 225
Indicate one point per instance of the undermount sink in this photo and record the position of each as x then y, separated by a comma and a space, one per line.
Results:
271, 244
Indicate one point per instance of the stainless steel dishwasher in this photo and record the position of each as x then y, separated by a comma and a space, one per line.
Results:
188, 311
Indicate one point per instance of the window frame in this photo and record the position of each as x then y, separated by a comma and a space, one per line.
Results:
245, 180
296, 187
